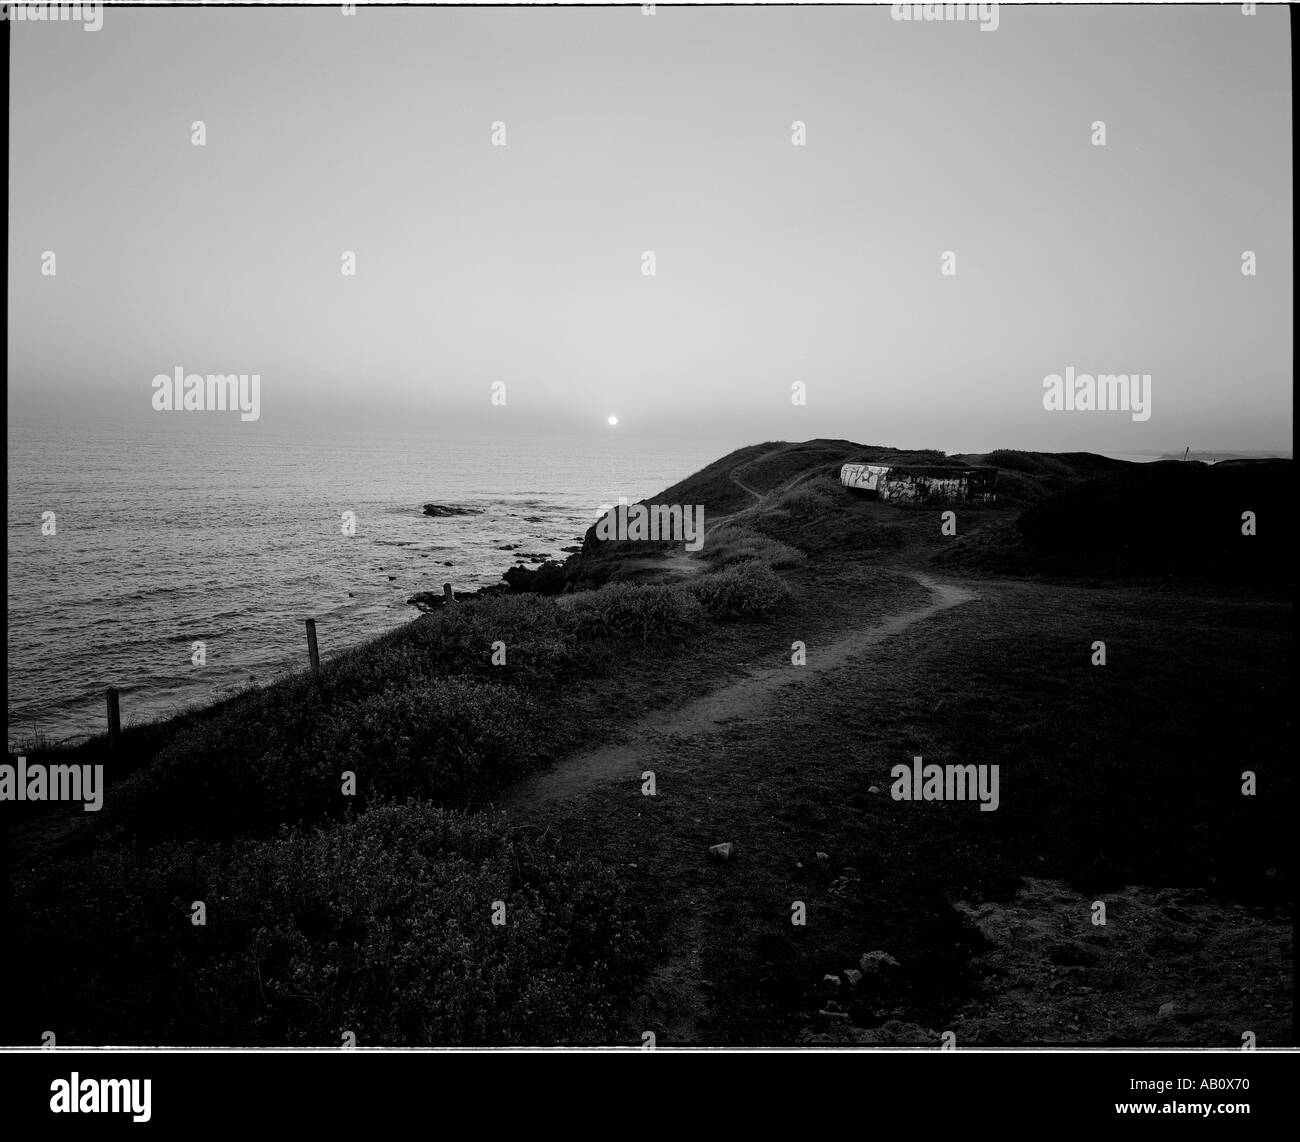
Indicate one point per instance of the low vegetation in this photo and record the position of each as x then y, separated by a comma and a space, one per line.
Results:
381, 926
332, 909
731, 543
317, 821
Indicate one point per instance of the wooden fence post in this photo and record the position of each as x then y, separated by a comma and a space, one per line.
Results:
312, 649
114, 717
447, 596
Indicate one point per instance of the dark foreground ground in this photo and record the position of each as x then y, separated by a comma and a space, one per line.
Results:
1120, 785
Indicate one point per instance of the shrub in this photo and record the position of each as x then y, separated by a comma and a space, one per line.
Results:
281, 763
624, 610
729, 544
455, 640
746, 590
380, 925
541, 642
811, 497
432, 740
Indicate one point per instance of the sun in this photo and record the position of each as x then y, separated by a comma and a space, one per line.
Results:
613, 420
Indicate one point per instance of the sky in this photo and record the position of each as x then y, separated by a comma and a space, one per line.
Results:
775, 264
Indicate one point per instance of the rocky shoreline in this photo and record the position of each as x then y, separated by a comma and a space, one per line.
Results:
549, 577
590, 564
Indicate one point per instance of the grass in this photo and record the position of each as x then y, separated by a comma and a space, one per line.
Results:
732, 543
372, 912
381, 926
746, 590
333, 909
1116, 775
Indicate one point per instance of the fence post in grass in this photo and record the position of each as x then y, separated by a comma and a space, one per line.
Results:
114, 717
447, 596
312, 650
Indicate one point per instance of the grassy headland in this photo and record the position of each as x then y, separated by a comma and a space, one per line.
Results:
331, 910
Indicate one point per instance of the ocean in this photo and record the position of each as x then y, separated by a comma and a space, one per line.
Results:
163, 539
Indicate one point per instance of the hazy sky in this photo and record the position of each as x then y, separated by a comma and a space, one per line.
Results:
669, 133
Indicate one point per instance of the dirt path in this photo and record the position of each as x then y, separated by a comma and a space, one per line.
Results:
676, 997
774, 492
735, 479
744, 699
